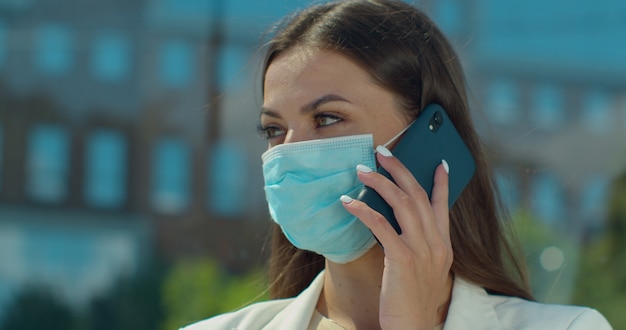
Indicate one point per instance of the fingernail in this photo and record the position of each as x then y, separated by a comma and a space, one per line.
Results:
346, 199
383, 151
445, 166
363, 168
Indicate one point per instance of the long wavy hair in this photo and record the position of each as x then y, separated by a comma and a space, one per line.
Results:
401, 48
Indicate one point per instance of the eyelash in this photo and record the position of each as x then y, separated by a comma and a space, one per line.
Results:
268, 132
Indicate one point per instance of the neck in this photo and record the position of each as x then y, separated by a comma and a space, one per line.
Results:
351, 293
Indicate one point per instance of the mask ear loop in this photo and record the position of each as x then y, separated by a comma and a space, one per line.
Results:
395, 137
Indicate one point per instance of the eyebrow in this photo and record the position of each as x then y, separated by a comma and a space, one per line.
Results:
309, 107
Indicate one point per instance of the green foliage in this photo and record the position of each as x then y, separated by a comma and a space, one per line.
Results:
198, 289
551, 257
602, 278
133, 304
594, 270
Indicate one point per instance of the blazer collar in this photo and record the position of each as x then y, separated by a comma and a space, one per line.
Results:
470, 308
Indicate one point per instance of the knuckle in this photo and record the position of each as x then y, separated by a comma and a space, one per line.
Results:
378, 218
421, 195
405, 200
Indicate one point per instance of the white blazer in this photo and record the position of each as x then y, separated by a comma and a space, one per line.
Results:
471, 307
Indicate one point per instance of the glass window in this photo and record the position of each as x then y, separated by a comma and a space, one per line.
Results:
597, 112
232, 61
594, 199
547, 198
548, 106
175, 63
229, 178
509, 188
503, 99
189, 7
246, 14
54, 47
171, 163
105, 169
3, 45
447, 15
47, 163
1, 154
110, 58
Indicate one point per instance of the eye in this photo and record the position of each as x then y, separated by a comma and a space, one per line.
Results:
270, 131
322, 120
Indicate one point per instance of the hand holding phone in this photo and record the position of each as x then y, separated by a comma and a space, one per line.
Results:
431, 138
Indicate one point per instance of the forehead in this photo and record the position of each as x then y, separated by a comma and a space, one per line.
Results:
310, 70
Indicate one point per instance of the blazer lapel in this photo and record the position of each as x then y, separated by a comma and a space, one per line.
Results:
298, 313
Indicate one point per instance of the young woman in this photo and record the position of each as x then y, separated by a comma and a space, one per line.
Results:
340, 79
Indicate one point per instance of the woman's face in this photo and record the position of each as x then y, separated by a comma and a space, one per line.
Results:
314, 94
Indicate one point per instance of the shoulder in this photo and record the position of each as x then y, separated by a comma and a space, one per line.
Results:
523, 314
472, 307
255, 316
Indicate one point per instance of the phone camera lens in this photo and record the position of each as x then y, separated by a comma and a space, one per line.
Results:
438, 118
435, 122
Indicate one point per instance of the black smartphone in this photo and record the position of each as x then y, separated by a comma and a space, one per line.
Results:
431, 138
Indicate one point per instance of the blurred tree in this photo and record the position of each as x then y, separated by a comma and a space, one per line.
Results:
601, 281
198, 289
551, 258
38, 308
134, 303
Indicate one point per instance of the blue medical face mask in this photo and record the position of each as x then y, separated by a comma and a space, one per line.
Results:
303, 183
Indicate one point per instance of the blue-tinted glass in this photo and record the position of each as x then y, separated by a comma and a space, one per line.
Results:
176, 63
232, 62
503, 97
171, 176
597, 112
549, 33
1, 154
508, 187
229, 177
447, 15
57, 252
3, 45
54, 52
245, 16
548, 109
547, 199
110, 59
48, 163
594, 198
105, 169
202, 7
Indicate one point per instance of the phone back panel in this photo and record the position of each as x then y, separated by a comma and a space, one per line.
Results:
431, 138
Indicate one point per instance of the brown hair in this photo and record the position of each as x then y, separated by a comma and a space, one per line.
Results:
407, 54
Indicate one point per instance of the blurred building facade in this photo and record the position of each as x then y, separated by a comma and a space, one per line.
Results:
128, 127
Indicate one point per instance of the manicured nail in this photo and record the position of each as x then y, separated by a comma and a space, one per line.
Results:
445, 166
383, 151
346, 199
363, 168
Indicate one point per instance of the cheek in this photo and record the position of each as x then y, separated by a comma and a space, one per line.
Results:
386, 125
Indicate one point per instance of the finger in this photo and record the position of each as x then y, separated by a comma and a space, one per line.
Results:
373, 220
400, 174
439, 199
418, 196
403, 205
